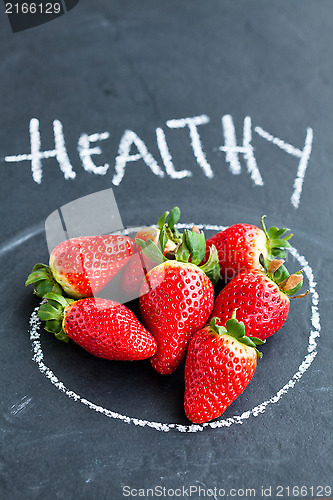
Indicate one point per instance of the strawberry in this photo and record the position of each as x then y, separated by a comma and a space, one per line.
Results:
102, 327
139, 265
262, 298
239, 247
177, 298
82, 266
220, 363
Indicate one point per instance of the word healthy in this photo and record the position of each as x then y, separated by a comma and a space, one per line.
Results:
87, 147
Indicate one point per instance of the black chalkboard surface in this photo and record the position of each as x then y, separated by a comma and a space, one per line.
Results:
224, 109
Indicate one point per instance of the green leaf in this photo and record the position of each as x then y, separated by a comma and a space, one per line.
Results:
57, 289
247, 341
53, 326
151, 250
217, 328
58, 298
43, 280
275, 241
162, 219
141, 243
235, 328
280, 274
257, 341
62, 336
183, 253
174, 217
43, 287
163, 239
212, 267
278, 254
275, 233
35, 276
196, 244
279, 244
40, 266
47, 312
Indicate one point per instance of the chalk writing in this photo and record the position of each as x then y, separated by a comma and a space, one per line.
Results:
36, 155
85, 152
192, 124
87, 148
124, 156
304, 156
167, 158
232, 150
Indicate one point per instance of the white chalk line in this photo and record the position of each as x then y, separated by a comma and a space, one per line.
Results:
192, 124
38, 357
20, 238
128, 139
303, 155
85, 152
232, 151
36, 155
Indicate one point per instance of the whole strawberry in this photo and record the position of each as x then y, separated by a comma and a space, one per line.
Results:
82, 266
220, 363
176, 299
138, 266
239, 247
261, 296
102, 327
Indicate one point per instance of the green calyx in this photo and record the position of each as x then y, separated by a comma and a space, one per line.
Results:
52, 312
236, 329
275, 243
191, 248
166, 224
42, 279
277, 272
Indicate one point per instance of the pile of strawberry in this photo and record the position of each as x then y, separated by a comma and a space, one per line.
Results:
173, 275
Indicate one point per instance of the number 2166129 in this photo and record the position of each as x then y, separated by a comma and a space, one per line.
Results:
33, 8
303, 491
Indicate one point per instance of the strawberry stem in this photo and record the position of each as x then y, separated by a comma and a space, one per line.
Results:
212, 267
42, 279
52, 312
277, 272
166, 223
192, 249
274, 241
236, 329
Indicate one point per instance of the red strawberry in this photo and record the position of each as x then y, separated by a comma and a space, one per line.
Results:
220, 363
262, 299
176, 300
102, 327
139, 265
239, 247
82, 266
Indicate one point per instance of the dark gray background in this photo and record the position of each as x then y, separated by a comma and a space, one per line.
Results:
111, 66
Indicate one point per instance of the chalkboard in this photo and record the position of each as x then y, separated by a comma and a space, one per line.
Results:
224, 109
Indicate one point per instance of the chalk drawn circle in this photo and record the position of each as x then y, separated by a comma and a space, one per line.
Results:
314, 334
